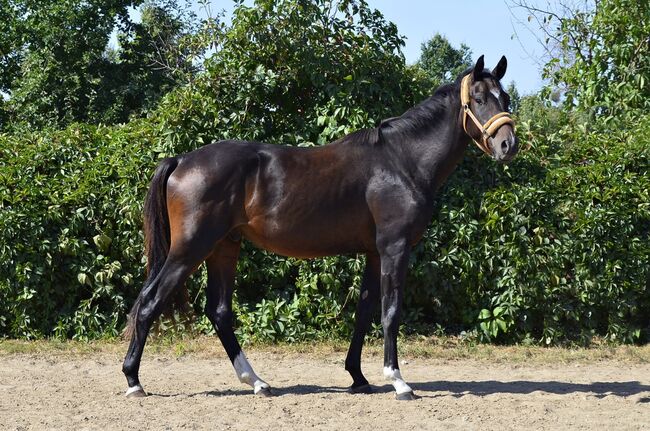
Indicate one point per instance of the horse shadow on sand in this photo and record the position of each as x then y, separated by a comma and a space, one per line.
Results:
522, 387
459, 389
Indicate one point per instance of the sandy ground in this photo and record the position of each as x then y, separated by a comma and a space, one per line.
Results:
44, 391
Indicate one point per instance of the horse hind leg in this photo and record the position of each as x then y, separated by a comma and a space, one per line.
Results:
222, 264
184, 257
153, 299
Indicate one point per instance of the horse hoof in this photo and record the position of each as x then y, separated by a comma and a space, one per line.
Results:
406, 396
264, 392
136, 392
361, 389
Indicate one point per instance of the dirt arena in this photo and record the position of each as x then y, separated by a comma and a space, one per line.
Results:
56, 389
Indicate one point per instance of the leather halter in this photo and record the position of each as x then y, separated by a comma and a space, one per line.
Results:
490, 127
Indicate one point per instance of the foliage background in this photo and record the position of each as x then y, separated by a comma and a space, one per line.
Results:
550, 249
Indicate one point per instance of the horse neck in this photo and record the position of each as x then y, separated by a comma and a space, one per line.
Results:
434, 145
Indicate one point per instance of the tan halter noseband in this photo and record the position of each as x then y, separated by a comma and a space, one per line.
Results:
490, 127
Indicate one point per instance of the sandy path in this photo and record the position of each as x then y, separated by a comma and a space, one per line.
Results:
191, 392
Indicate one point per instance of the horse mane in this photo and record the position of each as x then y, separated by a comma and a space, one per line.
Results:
425, 115
368, 136
422, 116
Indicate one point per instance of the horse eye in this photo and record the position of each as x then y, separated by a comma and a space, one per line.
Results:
479, 100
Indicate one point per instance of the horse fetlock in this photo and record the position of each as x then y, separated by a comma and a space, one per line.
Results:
246, 374
395, 377
255, 382
135, 392
260, 386
264, 392
352, 366
246, 378
131, 374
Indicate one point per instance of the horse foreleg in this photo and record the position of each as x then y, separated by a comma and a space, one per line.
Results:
221, 279
368, 298
394, 263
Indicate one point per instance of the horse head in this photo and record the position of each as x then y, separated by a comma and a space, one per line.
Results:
486, 104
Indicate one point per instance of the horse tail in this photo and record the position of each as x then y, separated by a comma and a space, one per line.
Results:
157, 238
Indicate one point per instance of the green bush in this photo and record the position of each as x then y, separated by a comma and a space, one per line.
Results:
70, 220
551, 248
71, 240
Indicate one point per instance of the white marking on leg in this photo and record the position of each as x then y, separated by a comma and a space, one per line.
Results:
246, 374
135, 388
396, 379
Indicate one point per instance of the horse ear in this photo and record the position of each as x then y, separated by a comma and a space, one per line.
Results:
500, 70
478, 68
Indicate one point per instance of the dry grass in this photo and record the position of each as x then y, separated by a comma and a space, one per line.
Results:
434, 348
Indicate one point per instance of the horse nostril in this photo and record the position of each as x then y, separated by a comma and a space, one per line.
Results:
504, 146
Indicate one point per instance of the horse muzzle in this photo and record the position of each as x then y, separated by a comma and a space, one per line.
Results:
505, 144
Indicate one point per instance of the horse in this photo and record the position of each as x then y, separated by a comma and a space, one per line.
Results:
370, 192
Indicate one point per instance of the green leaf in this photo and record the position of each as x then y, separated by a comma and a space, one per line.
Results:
485, 314
102, 242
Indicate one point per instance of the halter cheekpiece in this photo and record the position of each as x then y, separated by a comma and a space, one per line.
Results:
490, 127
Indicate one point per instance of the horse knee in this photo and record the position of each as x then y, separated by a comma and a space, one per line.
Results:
390, 318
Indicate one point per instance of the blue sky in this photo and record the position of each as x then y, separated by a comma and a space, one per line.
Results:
486, 26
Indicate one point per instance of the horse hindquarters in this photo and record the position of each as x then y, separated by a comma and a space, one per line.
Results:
174, 215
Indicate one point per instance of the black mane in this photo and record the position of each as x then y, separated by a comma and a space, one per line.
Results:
366, 136
424, 115
418, 119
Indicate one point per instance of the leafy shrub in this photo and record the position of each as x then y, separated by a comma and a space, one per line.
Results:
323, 72
600, 50
294, 72
551, 248
70, 225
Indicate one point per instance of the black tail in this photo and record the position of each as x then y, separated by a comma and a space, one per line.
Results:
157, 236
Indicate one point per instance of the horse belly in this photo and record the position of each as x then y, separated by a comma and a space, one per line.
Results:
325, 236
307, 203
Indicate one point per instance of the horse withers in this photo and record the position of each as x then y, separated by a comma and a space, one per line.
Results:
370, 192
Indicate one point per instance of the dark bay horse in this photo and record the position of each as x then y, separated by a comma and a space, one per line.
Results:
370, 192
